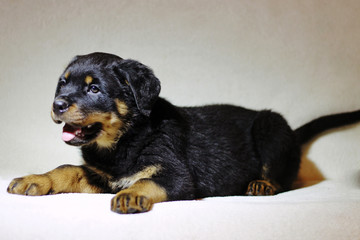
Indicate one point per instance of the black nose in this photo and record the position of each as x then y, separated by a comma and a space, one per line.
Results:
60, 106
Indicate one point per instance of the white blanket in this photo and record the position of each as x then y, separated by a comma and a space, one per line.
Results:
327, 210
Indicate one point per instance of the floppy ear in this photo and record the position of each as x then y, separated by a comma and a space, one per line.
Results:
143, 83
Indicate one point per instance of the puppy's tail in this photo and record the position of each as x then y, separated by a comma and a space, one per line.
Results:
306, 132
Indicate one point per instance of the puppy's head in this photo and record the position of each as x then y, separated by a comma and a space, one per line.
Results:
98, 97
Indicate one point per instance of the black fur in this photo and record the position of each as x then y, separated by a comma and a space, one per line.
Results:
203, 151
311, 129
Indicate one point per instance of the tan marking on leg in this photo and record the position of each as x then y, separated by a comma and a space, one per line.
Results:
71, 179
64, 179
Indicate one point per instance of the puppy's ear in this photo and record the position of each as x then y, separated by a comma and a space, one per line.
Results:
143, 83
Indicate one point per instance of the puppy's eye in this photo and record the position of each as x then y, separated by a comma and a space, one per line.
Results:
62, 82
94, 89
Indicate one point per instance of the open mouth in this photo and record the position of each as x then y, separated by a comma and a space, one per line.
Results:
79, 135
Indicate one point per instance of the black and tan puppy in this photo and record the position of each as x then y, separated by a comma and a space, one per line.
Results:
147, 150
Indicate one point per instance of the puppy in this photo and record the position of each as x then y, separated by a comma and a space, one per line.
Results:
146, 150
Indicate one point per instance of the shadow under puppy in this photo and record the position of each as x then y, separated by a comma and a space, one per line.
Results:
146, 150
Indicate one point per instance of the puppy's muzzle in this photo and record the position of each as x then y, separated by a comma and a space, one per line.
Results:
60, 106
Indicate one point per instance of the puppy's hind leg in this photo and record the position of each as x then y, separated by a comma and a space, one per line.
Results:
263, 188
278, 153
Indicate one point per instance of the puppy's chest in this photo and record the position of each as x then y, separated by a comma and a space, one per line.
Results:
122, 183
127, 181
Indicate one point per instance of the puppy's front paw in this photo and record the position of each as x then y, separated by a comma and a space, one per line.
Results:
130, 202
32, 185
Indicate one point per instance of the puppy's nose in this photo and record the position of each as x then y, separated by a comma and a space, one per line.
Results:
60, 106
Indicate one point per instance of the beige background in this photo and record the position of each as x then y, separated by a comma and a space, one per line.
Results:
300, 58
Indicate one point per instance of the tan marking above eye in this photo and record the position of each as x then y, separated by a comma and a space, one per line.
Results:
67, 74
88, 80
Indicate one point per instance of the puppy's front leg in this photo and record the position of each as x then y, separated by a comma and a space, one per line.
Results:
140, 197
64, 179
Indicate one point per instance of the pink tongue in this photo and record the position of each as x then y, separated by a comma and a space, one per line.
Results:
67, 136
68, 133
